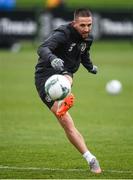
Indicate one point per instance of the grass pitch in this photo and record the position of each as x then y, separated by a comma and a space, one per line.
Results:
32, 143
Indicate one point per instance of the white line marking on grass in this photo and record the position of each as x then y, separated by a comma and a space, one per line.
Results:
59, 169
118, 171
39, 169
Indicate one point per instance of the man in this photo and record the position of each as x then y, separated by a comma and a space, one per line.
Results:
62, 53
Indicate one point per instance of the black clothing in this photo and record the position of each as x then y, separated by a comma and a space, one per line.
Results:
40, 88
67, 44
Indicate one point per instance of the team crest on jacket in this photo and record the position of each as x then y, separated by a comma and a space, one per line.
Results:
83, 46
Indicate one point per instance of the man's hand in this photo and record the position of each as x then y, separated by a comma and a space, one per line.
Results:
57, 64
94, 70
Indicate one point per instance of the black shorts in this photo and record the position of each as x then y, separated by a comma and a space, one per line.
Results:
40, 88
40, 82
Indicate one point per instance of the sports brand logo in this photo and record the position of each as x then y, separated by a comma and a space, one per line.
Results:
48, 99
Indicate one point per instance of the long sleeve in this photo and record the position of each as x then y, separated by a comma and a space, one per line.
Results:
47, 49
86, 61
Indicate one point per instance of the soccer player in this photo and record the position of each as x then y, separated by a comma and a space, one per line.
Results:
62, 53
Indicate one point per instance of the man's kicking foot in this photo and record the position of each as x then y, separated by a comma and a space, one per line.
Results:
65, 105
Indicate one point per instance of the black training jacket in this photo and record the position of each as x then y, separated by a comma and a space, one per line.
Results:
67, 44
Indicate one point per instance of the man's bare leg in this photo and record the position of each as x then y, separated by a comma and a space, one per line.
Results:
74, 136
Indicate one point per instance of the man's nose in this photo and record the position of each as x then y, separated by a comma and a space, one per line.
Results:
86, 29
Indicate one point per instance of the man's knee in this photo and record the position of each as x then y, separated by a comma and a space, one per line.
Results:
54, 108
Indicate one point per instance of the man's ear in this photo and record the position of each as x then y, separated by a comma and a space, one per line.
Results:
73, 23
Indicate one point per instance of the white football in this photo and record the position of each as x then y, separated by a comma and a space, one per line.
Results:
114, 87
57, 87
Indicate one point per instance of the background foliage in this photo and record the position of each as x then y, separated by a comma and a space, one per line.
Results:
115, 4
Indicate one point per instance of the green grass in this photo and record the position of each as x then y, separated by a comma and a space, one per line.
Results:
115, 4
31, 137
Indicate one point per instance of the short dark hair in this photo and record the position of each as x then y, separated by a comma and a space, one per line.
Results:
82, 12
